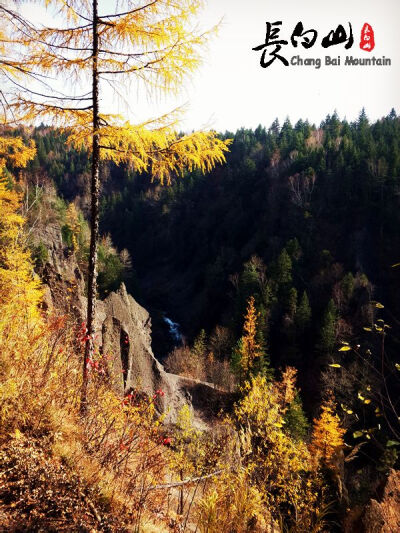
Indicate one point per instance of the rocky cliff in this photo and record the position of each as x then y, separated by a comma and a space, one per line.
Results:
382, 514
126, 334
123, 331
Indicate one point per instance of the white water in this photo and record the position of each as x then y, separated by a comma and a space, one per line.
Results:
174, 330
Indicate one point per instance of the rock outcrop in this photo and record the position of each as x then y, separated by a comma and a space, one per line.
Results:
383, 515
124, 332
380, 514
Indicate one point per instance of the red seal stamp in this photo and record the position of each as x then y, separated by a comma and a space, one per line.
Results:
367, 40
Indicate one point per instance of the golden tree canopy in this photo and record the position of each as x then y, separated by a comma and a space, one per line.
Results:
151, 45
249, 347
327, 436
19, 290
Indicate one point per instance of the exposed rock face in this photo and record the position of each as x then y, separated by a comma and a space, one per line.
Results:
60, 258
124, 332
383, 516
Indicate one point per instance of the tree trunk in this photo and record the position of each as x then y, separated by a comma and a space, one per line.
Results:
94, 216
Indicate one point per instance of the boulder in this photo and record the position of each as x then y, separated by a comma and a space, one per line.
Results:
383, 515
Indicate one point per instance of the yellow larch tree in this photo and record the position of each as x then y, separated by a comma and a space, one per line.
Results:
248, 349
13, 67
327, 435
152, 43
13, 150
19, 289
286, 387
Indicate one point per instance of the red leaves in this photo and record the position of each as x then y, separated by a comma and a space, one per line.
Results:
128, 399
82, 335
95, 365
141, 399
157, 393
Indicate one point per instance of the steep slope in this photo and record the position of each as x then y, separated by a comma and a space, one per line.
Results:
124, 337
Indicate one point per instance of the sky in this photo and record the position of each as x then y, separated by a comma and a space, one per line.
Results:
231, 89
234, 91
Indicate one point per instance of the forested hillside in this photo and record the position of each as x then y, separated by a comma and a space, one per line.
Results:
304, 218
284, 258
333, 189
199, 330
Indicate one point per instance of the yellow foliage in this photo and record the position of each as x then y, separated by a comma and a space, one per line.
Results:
73, 224
286, 388
154, 147
19, 289
12, 68
233, 504
249, 349
327, 436
15, 151
155, 44
189, 454
281, 468
162, 152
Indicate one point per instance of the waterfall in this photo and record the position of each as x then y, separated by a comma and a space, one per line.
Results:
174, 331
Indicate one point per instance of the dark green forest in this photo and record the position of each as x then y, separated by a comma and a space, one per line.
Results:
304, 218
300, 216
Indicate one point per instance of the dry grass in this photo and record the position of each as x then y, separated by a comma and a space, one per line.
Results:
202, 366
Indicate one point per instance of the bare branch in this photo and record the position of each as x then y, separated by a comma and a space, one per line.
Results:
79, 98
52, 106
76, 12
184, 482
116, 15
